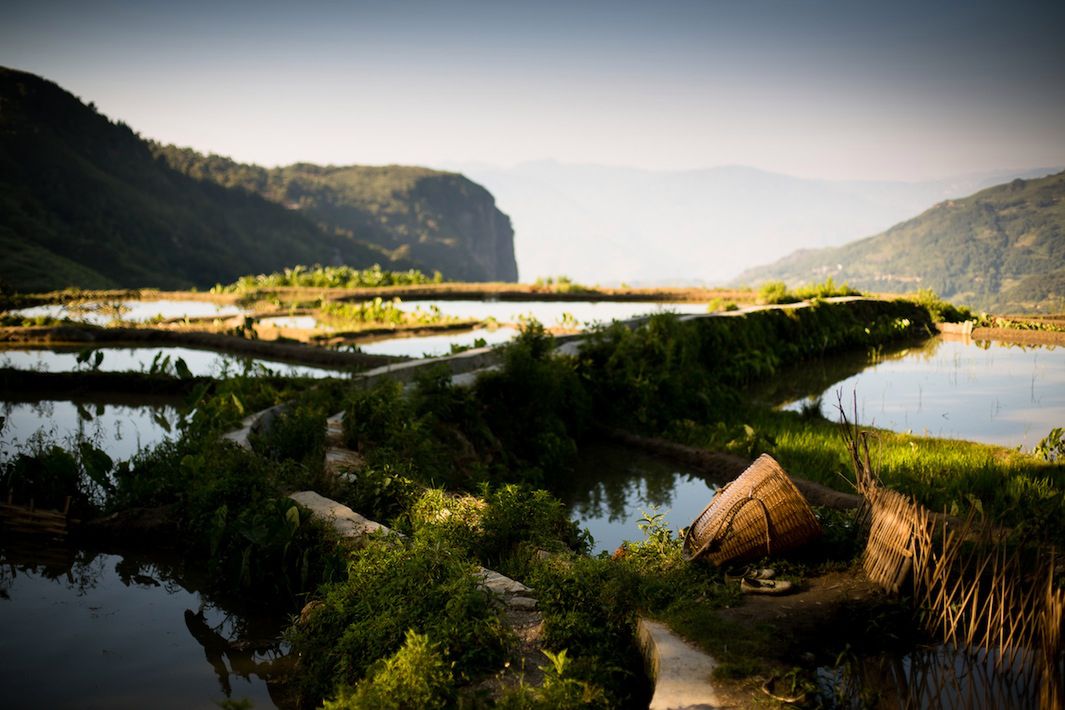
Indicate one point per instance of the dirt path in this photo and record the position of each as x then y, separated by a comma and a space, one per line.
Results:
803, 629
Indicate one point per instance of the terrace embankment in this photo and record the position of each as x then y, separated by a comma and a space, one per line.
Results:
517, 292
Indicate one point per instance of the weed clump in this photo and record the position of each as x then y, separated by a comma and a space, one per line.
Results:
415, 676
393, 587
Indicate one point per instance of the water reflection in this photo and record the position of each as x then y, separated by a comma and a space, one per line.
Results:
551, 313
119, 429
930, 677
84, 629
996, 393
437, 345
132, 311
613, 486
205, 363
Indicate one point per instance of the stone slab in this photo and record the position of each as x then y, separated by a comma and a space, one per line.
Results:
343, 519
682, 673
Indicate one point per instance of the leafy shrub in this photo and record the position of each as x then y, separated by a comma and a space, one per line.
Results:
941, 311
393, 587
319, 276
774, 292
1052, 446
416, 676
502, 528
826, 289
589, 608
558, 690
50, 474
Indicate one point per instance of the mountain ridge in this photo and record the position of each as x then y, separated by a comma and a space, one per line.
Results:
600, 223
84, 201
1000, 248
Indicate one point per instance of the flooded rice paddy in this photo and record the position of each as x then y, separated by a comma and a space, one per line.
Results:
205, 363
578, 314
995, 393
437, 345
550, 313
132, 311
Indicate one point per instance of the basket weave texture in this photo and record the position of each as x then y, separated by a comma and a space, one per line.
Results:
760, 513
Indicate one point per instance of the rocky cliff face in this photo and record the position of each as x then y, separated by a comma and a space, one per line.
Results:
477, 239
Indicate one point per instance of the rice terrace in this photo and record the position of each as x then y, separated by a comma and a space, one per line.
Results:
306, 427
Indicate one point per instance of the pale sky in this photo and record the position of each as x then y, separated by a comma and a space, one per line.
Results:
888, 90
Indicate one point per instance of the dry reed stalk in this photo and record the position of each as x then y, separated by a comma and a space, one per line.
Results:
977, 590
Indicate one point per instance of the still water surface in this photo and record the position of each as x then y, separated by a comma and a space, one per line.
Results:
551, 313
996, 393
132, 311
928, 676
200, 362
120, 430
613, 486
437, 345
95, 630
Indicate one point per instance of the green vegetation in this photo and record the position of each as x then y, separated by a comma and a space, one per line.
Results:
669, 370
776, 292
319, 276
561, 284
999, 249
416, 676
942, 311
378, 311
1046, 326
1005, 485
393, 587
716, 305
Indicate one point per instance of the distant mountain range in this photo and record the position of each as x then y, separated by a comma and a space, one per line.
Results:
1002, 248
608, 225
86, 202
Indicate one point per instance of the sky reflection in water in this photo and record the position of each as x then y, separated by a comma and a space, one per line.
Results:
613, 486
994, 392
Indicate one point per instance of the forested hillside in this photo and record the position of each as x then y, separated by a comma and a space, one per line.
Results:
435, 218
1002, 248
85, 201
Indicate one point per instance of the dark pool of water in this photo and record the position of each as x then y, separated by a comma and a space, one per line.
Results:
99, 630
937, 676
994, 392
613, 486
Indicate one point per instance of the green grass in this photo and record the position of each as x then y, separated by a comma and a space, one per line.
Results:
1008, 486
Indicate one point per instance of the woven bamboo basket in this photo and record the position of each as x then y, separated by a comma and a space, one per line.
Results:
760, 513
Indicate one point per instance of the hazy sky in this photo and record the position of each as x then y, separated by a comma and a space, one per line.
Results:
893, 89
